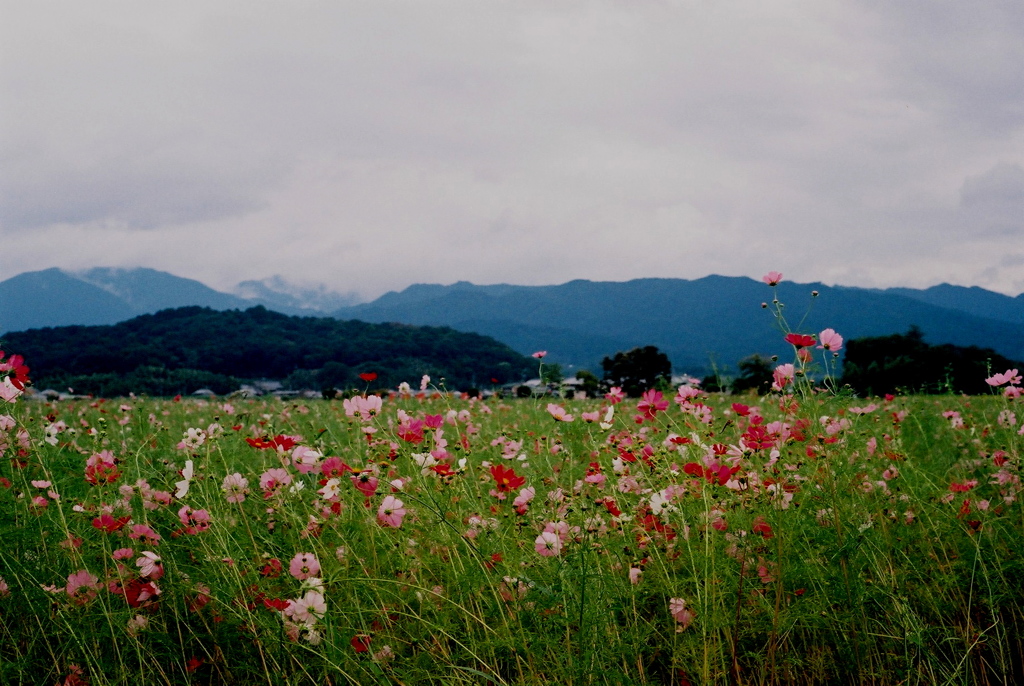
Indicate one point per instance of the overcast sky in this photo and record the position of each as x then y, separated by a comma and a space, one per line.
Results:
371, 145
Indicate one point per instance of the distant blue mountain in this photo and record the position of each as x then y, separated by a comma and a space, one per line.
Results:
149, 290
700, 323
54, 298
972, 300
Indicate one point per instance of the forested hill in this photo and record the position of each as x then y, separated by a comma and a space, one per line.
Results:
310, 352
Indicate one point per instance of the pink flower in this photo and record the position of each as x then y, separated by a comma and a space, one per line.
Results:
305, 459
122, 553
82, 586
273, 480
1009, 376
235, 487
149, 565
677, 608
539, 354
391, 512
615, 395
363, 408
830, 340
307, 609
143, 531
304, 566
783, 374
548, 544
559, 413
772, 278
195, 521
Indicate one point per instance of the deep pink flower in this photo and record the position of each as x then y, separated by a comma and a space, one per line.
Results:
108, 525
615, 395
651, 403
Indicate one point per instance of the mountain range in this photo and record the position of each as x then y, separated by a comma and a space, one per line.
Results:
701, 324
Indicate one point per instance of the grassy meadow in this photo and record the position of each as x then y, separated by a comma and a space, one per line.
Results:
796, 538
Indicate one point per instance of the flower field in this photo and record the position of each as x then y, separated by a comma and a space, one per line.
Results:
426, 538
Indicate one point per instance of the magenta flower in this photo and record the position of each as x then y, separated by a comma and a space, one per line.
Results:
391, 512
304, 566
651, 403
772, 278
830, 340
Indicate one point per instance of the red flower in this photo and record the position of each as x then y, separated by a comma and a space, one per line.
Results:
762, 527
267, 443
800, 340
506, 479
368, 376
360, 642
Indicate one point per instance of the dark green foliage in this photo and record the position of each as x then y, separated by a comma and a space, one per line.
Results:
755, 373
904, 362
589, 383
157, 381
260, 344
637, 370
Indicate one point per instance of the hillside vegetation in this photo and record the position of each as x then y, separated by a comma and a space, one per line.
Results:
191, 347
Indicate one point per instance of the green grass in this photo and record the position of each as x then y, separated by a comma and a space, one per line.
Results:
863, 580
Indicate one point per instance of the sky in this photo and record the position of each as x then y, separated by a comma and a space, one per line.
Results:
370, 145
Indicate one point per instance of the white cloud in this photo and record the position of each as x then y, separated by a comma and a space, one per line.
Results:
370, 145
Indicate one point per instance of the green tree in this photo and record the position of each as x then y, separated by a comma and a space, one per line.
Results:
637, 370
589, 383
755, 374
